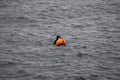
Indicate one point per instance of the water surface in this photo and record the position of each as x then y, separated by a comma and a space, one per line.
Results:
28, 29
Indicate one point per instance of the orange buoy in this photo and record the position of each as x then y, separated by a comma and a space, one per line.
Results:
59, 41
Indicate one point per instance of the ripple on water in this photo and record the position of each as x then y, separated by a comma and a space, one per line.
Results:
42, 77
13, 74
4, 64
16, 19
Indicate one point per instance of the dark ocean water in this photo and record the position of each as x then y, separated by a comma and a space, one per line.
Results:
28, 29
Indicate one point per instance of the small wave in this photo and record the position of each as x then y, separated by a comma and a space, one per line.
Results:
23, 73
16, 19
2, 5
24, 19
5, 74
116, 59
77, 26
6, 63
41, 77
94, 77
75, 78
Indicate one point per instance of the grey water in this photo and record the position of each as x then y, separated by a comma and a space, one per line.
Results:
28, 29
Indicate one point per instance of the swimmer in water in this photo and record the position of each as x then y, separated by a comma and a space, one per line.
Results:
60, 41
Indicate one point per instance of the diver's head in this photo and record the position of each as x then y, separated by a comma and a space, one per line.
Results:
57, 37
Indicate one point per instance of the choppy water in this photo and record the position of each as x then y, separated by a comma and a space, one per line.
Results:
29, 27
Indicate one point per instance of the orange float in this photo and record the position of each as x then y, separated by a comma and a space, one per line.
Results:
59, 41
